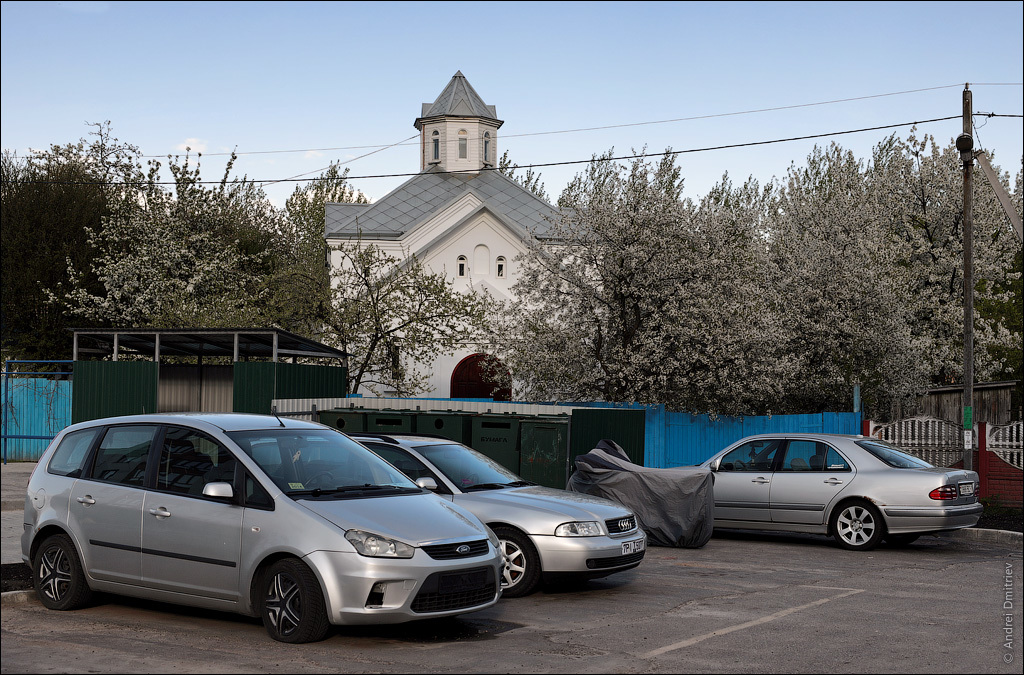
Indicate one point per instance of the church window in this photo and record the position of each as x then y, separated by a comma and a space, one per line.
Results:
463, 144
462, 265
501, 266
487, 146
437, 146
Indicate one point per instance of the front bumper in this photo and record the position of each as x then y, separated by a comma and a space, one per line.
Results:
587, 555
414, 589
906, 519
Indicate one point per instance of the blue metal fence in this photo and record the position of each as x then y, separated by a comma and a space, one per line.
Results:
36, 407
680, 439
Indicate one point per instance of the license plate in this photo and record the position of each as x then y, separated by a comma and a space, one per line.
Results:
967, 489
634, 546
458, 582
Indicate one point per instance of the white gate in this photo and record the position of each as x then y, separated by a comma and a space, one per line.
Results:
938, 442
1007, 441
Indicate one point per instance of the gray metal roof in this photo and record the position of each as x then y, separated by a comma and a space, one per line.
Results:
425, 193
243, 342
458, 99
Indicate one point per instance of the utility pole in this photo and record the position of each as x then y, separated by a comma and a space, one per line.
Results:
965, 144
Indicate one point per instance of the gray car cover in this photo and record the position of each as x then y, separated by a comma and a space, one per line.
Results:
675, 507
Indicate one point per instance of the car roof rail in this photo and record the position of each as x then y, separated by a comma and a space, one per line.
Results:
370, 434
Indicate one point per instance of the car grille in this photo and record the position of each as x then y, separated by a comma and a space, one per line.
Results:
445, 591
616, 561
451, 552
620, 525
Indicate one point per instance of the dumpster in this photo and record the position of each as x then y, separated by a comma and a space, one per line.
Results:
497, 436
544, 450
390, 421
344, 419
455, 426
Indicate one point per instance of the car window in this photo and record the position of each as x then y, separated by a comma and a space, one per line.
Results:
893, 456
405, 462
466, 467
69, 457
753, 456
307, 459
812, 456
189, 460
123, 454
256, 496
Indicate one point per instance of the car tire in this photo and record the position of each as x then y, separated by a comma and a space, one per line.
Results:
292, 604
58, 576
898, 540
520, 574
857, 525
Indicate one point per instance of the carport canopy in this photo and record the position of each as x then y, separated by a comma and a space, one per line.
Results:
238, 343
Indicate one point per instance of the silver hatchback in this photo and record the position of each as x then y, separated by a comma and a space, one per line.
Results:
253, 514
858, 489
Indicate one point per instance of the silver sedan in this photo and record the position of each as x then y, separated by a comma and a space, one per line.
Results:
857, 489
544, 533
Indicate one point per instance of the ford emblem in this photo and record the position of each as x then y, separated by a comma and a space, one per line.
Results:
462, 550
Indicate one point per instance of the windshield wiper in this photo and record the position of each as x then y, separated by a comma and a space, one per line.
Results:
520, 483
486, 486
341, 489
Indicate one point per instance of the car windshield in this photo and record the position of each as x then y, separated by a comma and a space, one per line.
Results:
469, 469
893, 456
315, 462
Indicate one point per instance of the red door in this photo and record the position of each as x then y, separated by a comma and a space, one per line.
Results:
471, 380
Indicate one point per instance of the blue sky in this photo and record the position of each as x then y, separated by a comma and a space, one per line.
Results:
306, 77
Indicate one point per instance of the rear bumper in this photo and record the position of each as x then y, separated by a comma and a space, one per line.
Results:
905, 519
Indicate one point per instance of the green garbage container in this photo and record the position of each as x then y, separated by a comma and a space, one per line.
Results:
390, 421
497, 436
544, 450
344, 420
456, 426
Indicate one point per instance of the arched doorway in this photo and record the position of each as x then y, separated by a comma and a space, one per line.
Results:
470, 380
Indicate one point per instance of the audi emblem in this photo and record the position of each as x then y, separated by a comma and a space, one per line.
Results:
463, 550
625, 524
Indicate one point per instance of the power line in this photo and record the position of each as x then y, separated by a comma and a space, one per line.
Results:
545, 164
616, 126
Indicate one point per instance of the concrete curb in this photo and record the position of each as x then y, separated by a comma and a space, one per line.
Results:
996, 537
16, 597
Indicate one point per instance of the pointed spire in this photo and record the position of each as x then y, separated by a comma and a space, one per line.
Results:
458, 99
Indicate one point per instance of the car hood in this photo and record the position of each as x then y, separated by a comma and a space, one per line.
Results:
544, 507
414, 519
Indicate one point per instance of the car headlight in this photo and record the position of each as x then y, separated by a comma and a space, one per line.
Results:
578, 529
376, 546
493, 538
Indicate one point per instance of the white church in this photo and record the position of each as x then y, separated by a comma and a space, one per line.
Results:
469, 225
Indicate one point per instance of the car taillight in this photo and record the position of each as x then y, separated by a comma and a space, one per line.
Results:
944, 492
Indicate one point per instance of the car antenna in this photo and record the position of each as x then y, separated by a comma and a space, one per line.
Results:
279, 420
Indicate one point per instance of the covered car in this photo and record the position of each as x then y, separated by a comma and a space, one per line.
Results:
675, 507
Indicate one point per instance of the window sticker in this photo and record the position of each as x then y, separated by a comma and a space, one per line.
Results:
296, 486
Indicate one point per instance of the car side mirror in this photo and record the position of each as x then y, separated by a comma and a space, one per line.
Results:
427, 483
714, 465
219, 490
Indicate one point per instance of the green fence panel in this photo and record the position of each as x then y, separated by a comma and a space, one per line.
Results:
497, 436
544, 445
454, 426
258, 383
590, 425
109, 388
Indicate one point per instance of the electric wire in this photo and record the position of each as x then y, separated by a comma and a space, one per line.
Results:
536, 165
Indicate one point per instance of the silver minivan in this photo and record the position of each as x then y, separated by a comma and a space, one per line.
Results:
254, 514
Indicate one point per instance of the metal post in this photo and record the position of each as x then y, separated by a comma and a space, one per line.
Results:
965, 144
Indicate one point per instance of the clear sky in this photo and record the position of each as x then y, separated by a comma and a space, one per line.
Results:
315, 81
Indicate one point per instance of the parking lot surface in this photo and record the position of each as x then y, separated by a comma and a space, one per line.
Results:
745, 602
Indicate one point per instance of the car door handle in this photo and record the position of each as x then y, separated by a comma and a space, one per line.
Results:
834, 481
160, 512
760, 479
87, 500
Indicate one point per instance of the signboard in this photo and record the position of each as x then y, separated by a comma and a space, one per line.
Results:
968, 439
968, 417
